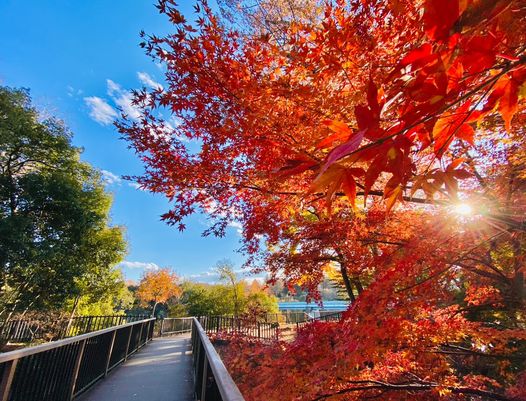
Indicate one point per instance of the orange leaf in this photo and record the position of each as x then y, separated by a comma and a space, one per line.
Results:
508, 100
349, 188
395, 194
341, 132
451, 125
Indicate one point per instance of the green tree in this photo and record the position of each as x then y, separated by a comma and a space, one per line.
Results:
225, 268
200, 299
101, 292
55, 240
206, 300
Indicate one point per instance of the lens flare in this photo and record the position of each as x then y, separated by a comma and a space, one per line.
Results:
463, 209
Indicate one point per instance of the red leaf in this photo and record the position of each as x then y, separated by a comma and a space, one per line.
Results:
295, 167
479, 53
372, 98
365, 118
439, 18
419, 56
376, 167
466, 133
343, 150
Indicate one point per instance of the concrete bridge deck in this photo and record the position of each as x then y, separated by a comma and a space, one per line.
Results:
160, 371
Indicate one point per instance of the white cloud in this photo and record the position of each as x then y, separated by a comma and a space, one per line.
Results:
207, 274
109, 178
139, 265
123, 99
136, 186
100, 110
213, 208
237, 225
147, 80
113, 87
72, 92
211, 276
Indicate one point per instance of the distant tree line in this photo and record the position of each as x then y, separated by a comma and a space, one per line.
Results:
162, 293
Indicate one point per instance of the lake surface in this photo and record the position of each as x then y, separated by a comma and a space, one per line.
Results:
304, 306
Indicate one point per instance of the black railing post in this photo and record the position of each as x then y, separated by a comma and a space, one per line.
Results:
110, 350
7, 379
139, 345
76, 369
128, 343
205, 378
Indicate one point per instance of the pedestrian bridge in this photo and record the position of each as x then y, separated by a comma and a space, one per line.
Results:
121, 363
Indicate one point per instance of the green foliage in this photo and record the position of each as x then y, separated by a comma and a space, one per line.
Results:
55, 240
261, 303
200, 299
108, 296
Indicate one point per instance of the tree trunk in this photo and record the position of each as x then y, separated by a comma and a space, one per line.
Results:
71, 316
154, 306
358, 284
347, 282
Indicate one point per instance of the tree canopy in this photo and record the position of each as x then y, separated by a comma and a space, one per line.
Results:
158, 286
352, 138
56, 241
199, 299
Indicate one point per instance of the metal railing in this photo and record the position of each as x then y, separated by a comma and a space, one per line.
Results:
87, 324
245, 327
21, 330
61, 370
27, 330
329, 317
212, 382
175, 325
285, 317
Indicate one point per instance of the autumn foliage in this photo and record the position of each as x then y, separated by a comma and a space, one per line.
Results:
346, 141
158, 286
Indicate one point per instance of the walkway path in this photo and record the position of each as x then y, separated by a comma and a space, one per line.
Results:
158, 372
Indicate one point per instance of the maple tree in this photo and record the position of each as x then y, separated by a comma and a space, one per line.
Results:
350, 137
158, 286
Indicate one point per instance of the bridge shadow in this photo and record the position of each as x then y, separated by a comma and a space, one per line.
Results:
158, 372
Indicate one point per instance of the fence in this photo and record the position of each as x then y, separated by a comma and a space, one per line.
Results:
87, 324
179, 325
212, 382
246, 327
25, 330
286, 317
61, 370
21, 331
335, 316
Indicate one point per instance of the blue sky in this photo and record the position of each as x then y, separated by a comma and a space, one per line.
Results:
80, 58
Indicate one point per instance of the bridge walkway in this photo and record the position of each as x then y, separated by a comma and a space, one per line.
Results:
160, 371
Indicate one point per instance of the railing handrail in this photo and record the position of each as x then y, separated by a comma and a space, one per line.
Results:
322, 317
66, 319
225, 384
17, 354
